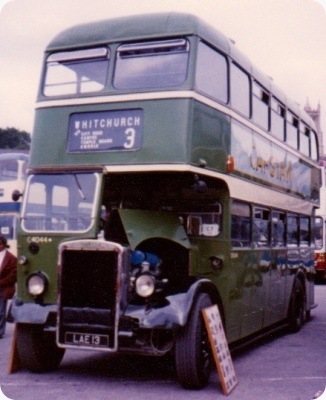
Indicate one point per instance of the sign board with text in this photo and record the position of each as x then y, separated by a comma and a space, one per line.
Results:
105, 131
220, 348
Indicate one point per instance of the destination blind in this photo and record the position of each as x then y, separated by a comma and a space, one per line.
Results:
105, 131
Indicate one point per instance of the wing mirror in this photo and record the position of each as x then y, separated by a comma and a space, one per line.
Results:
16, 195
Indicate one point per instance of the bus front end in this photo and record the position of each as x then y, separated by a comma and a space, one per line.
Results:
92, 278
112, 298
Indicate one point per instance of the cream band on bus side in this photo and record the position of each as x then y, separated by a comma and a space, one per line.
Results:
257, 158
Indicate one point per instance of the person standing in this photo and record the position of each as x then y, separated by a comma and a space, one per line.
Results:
8, 277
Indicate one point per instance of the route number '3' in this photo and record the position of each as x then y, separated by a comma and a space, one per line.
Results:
130, 138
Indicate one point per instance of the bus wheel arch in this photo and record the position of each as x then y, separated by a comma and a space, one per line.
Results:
209, 288
193, 357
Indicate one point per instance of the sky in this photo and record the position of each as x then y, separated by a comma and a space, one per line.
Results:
286, 39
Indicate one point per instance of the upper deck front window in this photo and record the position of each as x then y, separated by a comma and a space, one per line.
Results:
151, 64
76, 72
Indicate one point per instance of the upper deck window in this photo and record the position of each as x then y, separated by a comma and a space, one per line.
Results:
292, 124
76, 72
151, 64
304, 139
260, 104
277, 119
240, 90
313, 145
212, 73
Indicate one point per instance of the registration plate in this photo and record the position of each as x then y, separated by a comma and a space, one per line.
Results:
86, 339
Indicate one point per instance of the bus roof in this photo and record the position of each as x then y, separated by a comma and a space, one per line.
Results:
165, 25
138, 27
14, 156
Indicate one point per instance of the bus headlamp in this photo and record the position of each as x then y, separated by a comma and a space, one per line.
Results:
22, 260
37, 284
145, 285
216, 262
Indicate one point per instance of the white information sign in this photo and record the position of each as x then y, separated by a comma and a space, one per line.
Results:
220, 348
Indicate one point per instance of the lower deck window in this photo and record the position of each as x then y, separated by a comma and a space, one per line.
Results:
240, 225
318, 233
202, 224
261, 231
259, 227
278, 229
292, 230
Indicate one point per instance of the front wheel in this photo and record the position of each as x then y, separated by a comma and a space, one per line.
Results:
37, 349
297, 307
193, 357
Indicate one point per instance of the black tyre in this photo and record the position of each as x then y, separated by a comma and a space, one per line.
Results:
297, 307
37, 349
193, 356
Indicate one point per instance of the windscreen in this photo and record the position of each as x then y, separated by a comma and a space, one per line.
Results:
8, 170
60, 202
8, 225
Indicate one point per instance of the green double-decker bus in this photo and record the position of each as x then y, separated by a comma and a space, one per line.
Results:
166, 174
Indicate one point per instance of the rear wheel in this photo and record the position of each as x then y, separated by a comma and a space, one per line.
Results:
297, 307
37, 349
192, 349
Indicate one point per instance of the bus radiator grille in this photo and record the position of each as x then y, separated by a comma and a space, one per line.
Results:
87, 285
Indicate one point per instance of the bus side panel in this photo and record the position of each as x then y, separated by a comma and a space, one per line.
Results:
211, 138
277, 306
251, 270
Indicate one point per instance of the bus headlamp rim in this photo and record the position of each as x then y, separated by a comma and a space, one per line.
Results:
40, 284
145, 285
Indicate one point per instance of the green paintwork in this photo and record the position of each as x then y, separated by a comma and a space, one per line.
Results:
137, 28
165, 121
141, 225
169, 136
46, 261
43, 261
